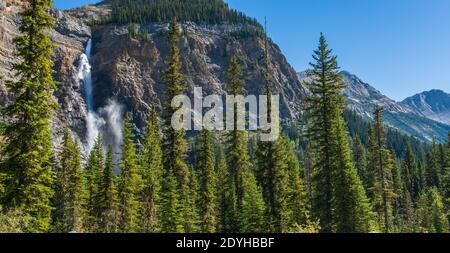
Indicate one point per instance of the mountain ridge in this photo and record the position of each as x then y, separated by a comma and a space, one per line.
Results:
362, 98
433, 104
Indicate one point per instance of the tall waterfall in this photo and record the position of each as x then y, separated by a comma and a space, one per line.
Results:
106, 120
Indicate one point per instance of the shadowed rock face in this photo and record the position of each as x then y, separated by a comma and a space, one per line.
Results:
130, 70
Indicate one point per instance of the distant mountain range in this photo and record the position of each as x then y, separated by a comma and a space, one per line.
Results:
433, 104
425, 116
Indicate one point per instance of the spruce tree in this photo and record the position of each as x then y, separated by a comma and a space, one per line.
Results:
339, 199
249, 200
109, 199
92, 175
446, 176
433, 166
25, 166
298, 201
397, 189
152, 173
272, 170
226, 196
430, 215
382, 163
70, 194
208, 185
360, 160
175, 148
409, 169
130, 181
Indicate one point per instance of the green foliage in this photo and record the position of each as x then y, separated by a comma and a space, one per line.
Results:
249, 199
13, 221
93, 176
381, 163
198, 11
208, 185
25, 165
130, 181
430, 216
339, 199
179, 211
108, 197
361, 164
409, 173
70, 194
226, 196
152, 173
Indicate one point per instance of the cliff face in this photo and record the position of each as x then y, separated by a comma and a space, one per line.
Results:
130, 70
69, 37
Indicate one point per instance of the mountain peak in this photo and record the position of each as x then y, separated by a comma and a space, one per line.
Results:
433, 104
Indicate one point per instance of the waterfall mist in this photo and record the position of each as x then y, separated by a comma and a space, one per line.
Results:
107, 120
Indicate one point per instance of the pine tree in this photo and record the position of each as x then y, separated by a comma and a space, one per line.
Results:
446, 175
152, 172
251, 219
175, 149
70, 195
431, 216
130, 182
308, 167
109, 199
208, 185
372, 161
339, 199
360, 160
382, 163
26, 168
409, 169
433, 166
249, 202
298, 201
226, 196
92, 175
397, 189
273, 171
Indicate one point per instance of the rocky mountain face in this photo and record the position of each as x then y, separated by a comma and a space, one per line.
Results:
433, 104
69, 38
363, 98
129, 68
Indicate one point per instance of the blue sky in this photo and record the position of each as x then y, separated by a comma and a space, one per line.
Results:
401, 47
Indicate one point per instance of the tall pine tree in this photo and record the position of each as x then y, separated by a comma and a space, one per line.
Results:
130, 181
108, 197
70, 194
382, 162
339, 199
92, 175
27, 130
152, 173
208, 185
249, 200
409, 172
181, 215
226, 196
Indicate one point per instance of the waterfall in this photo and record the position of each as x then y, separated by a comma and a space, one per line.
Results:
85, 75
107, 120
